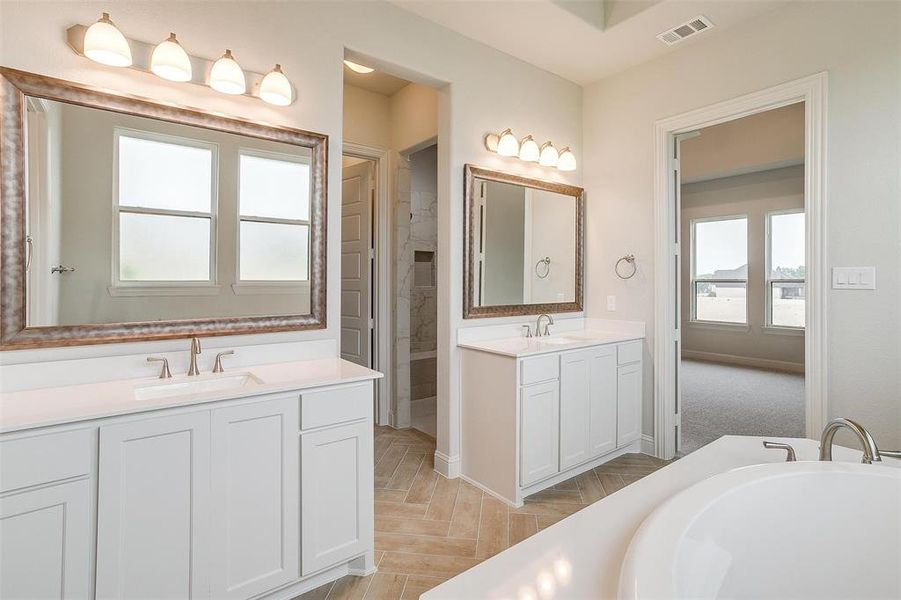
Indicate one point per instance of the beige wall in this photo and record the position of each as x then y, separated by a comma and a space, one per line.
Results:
553, 223
767, 140
400, 122
481, 90
753, 195
367, 117
864, 150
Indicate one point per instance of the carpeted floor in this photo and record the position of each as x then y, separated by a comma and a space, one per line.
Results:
720, 399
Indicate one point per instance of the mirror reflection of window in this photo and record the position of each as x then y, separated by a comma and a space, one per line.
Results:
275, 217
134, 219
165, 204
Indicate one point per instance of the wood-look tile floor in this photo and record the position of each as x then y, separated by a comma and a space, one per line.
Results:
428, 528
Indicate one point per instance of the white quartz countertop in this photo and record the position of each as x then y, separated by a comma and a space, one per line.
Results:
582, 555
570, 340
67, 404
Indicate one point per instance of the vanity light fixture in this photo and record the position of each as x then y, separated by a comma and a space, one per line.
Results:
104, 43
566, 160
528, 149
275, 88
549, 155
170, 61
226, 75
358, 68
507, 144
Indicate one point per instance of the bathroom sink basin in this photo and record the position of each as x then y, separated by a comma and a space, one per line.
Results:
789, 530
560, 341
200, 384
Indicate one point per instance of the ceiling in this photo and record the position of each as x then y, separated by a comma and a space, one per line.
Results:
377, 81
582, 40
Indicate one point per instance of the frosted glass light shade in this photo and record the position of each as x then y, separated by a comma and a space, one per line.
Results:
528, 149
275, 88
567, 160
105, 44
549, 155
507, 145
226, 75
170, 61
357, 68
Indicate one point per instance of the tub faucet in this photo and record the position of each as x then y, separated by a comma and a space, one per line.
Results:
870, 451
195, 350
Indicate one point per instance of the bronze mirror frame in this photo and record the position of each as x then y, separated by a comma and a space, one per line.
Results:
470, 310
14, 331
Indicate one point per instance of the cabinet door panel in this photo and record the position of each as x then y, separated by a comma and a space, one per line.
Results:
539, 432
154, 508
336, 495
256, 504
628, 401
45, 543
603, 400
574, 408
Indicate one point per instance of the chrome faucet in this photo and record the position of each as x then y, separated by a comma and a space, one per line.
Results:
870, 451
547, 331
195, 350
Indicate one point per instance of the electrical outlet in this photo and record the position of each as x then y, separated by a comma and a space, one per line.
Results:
611, 303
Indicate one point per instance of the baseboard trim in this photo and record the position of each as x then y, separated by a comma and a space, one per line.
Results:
490, 492
647, 445
745, 361
449, 466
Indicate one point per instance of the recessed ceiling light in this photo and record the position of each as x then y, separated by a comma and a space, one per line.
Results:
358, 68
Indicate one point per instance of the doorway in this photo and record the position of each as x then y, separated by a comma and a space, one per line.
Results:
670, 245
742, 284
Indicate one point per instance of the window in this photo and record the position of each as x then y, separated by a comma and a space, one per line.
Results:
719, 270
165, 208
786, 269
274, 207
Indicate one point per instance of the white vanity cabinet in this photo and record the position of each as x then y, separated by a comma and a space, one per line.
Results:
568, 410
252, 497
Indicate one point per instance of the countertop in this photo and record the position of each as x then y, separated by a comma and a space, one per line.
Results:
68, 404
583, 553
518, 347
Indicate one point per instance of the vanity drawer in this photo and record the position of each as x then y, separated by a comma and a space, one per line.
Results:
336, 405
540, 368
28, 461
629, 352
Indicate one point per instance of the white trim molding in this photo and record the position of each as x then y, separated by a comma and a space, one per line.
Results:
647, 444
384, 283
812, 91
449, 466
744, 361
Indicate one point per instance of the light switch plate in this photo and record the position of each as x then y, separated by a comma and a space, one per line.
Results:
854, 278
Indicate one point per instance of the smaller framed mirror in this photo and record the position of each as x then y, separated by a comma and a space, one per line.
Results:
522, 245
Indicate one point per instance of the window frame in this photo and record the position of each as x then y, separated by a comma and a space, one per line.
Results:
693, 281
208, 286
271, 286
769, 280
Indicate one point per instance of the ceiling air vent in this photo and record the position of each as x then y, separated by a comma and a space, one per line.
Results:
685, 30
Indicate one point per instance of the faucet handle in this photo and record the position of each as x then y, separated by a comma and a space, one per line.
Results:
217, 368
890, 453
790, 452
164, 372
527, 330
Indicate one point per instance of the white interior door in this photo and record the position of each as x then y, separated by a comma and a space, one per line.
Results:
356, 263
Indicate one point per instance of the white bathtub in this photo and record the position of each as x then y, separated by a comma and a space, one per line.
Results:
790, 530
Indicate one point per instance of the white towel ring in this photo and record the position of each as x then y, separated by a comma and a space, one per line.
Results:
629, 258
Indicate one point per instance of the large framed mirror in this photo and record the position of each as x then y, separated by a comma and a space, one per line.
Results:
522, 245
128, 220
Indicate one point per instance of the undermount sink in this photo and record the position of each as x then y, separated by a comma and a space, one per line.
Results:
788, 530
197, 385
559, 341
